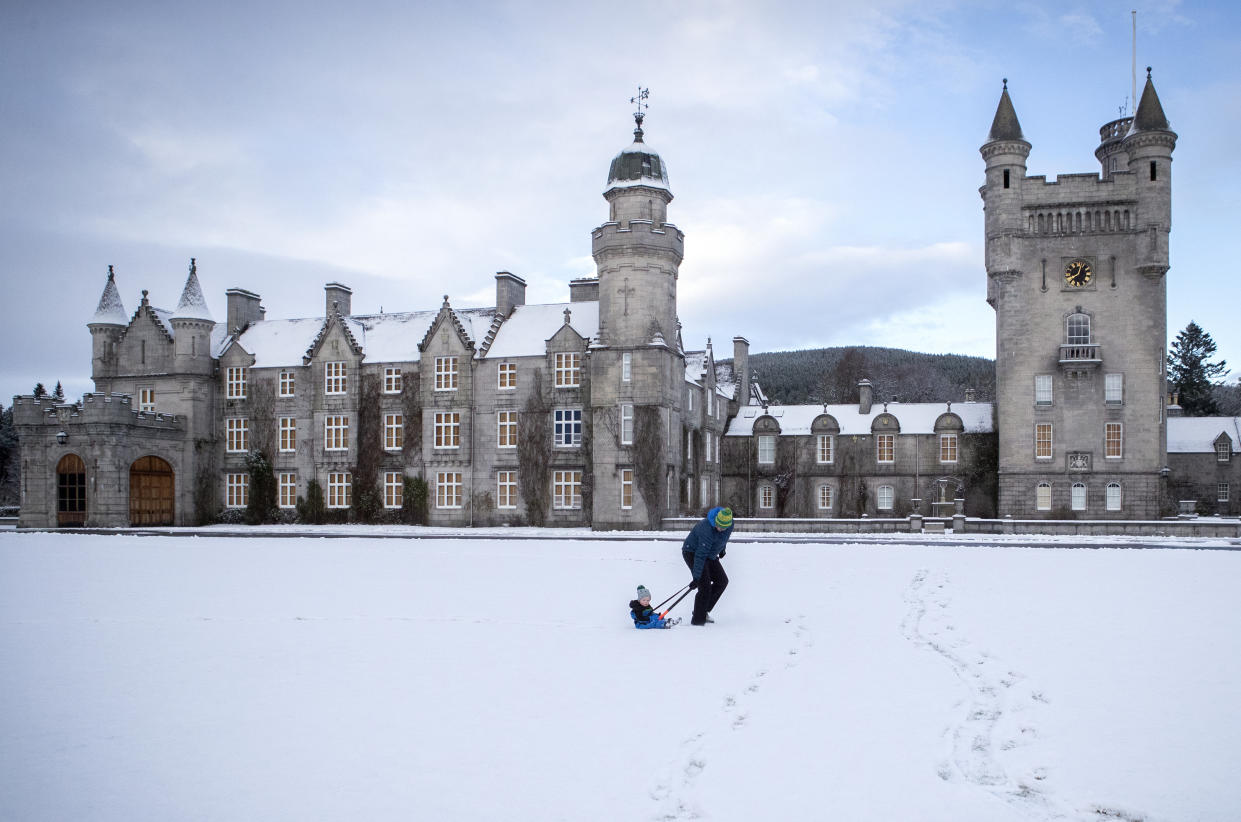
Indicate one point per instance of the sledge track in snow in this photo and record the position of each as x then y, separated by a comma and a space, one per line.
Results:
674, 793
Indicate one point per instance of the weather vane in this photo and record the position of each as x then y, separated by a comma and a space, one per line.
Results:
638, 115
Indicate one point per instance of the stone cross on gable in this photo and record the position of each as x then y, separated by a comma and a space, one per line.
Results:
625, 291
567, 315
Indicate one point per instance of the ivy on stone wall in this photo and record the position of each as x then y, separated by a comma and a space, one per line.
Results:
261, 506
648, 460
411, 411
367, 500
261, 408
415, 501
534, 449
206, 482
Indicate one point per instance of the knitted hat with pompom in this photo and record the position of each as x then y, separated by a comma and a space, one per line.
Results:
642, 592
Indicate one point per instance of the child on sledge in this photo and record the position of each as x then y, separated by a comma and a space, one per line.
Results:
644, 616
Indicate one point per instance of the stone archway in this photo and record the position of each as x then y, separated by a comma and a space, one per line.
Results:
70, 492
151, 492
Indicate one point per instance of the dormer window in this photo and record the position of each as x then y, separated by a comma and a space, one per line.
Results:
446, 373
335, 378
568, 369
1223, 451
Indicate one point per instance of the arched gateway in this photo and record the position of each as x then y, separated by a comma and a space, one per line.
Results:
151, 500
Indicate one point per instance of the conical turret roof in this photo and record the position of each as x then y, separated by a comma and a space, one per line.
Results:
111, 310
1149, 116
1005, 125
193, 306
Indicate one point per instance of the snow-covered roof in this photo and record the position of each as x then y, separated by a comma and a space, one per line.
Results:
913, 417
165, 318
1194, 435
279, 342
725, 383
526, 331
111, 309
695, 366
395, 337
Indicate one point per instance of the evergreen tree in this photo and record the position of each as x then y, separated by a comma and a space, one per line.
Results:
8, 456
59, 393
39, 391
1191, 373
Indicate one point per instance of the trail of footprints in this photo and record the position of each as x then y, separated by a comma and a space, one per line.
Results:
674, 794
999, 716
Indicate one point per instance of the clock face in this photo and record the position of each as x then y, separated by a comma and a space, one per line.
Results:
1078, 273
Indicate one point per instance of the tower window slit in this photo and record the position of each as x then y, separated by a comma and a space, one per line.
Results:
1153, 174
1006, 178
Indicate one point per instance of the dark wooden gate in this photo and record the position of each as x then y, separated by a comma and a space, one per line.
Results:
151, 492
70, 492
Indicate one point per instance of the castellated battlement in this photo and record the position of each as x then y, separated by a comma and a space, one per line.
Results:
1081, 188
638, 235
94, 408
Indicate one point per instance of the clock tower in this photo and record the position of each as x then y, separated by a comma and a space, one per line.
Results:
1076, 273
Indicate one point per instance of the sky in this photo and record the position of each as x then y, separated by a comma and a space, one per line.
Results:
823, 156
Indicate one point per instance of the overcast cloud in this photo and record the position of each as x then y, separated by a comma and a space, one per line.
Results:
824, 156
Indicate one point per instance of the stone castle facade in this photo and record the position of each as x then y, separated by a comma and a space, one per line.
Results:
593, 412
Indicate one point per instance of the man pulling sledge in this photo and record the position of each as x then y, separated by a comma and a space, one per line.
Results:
702, 551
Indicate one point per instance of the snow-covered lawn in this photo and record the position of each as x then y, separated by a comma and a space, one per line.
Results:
377, 679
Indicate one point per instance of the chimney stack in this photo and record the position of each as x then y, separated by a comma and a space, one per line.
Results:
510, 292
243, 309
338, 298
584, 289
741, 369
865, 396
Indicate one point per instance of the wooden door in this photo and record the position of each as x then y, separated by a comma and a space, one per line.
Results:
151, 492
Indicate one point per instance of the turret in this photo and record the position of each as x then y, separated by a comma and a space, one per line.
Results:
191, 328
637, 251
1005, 153
1149, 146
106, 327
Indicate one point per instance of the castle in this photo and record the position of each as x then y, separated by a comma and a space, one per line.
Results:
592, 412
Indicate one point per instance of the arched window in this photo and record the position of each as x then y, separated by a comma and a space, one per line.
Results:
1113, 496
766, 496
825, 497
70, 491
1077, 498
1077, 329
1042, 496
884, 498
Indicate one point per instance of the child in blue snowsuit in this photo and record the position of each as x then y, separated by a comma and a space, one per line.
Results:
644, 616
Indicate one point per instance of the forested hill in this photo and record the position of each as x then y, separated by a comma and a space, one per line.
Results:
831, 375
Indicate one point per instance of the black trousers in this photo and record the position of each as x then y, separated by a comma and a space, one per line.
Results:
711, 585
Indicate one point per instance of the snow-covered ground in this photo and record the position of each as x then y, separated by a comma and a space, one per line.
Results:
277, 678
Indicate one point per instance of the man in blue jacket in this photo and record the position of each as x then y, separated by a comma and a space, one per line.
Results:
702, 551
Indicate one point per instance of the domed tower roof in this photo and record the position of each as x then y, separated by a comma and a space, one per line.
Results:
637, 165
